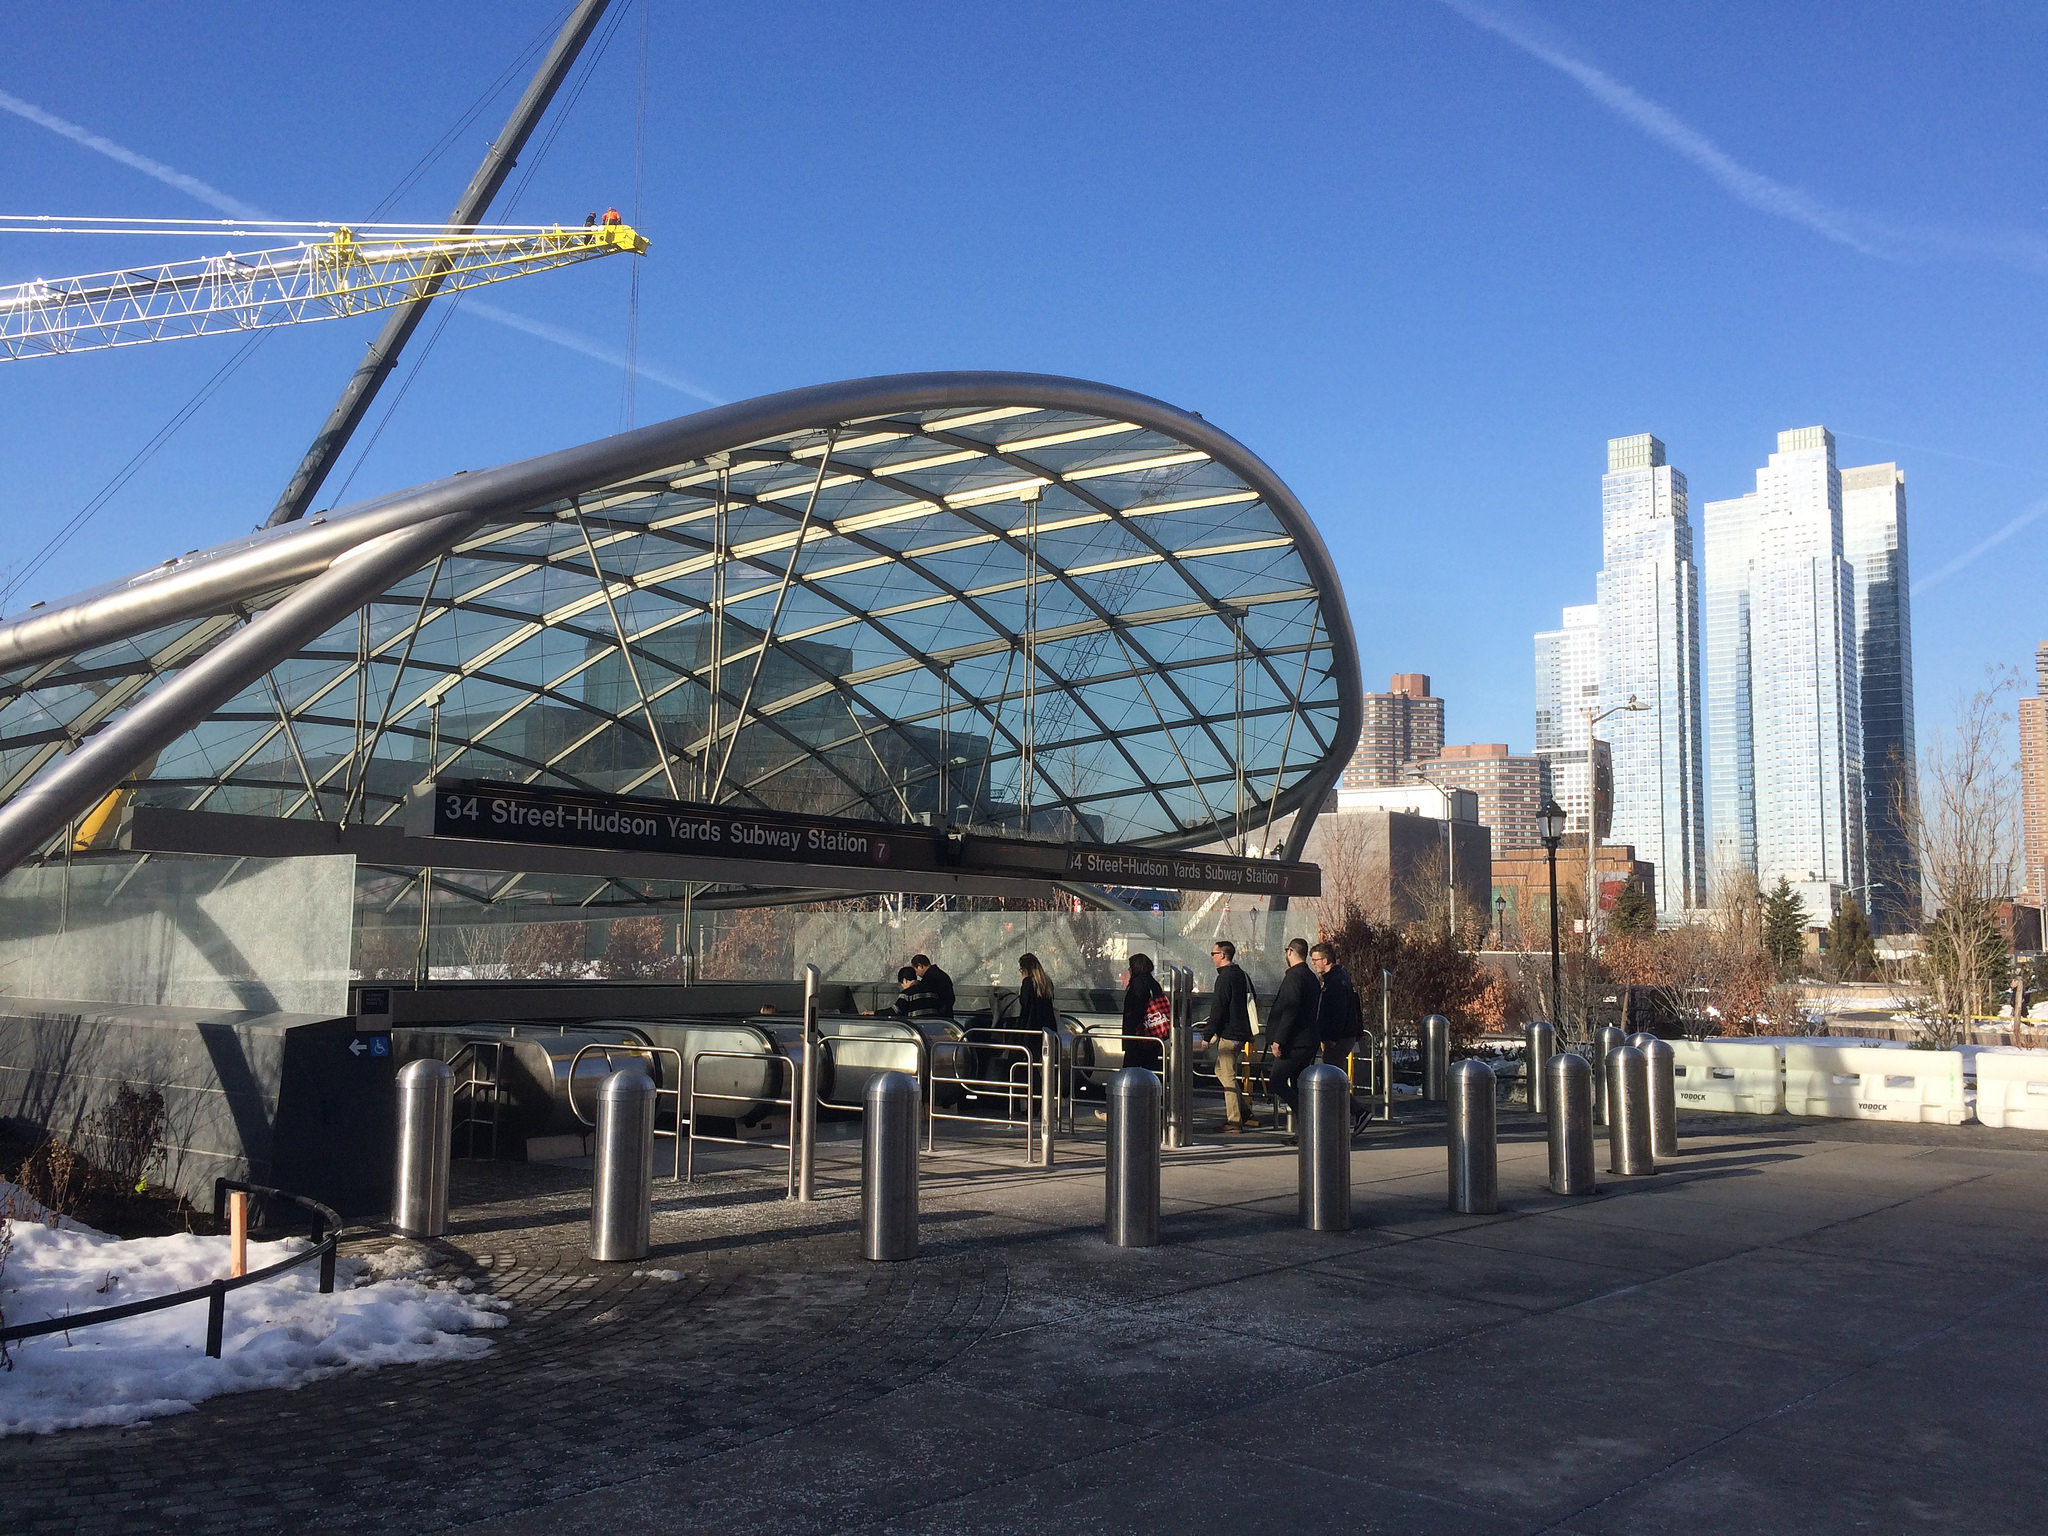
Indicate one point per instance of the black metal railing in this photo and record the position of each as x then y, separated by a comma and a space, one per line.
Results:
326, 1235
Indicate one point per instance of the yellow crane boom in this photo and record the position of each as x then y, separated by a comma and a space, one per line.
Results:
350, 272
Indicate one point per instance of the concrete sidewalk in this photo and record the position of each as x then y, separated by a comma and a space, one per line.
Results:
1790, 1329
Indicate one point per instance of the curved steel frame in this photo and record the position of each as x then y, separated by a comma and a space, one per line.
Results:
306, 576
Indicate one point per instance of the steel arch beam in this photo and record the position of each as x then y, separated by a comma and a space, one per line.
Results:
252, 572
41, 811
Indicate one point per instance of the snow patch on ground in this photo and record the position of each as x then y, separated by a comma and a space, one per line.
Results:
279, 1333
658, 1274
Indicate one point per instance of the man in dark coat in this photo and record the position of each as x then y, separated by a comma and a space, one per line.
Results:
1339, 1023
935, 981
1292, 1026
1230, 1026
1339, 1019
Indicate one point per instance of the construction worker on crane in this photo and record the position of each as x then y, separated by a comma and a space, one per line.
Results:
613, 216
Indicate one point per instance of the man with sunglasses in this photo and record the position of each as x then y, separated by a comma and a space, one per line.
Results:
1230, 1026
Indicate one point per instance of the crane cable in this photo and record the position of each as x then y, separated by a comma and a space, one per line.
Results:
639, 195
13, 581
425, 350
16, 579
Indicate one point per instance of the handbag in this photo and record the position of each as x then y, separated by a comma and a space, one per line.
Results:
1159, 1017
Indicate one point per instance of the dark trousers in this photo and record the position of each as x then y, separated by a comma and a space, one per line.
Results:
1286, 1069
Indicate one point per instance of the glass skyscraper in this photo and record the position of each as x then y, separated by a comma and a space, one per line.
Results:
1568, 682
1787, 722
1874, 539
1649, 650
1730, 538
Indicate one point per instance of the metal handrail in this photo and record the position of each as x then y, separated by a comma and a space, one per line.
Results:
1126, 1040
694, 1135
467, 1089
910, 1032
1008, 1087
1054, 1048
642, 1051
326, 1237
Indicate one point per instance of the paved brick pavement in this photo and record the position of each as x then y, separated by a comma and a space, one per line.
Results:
1796, 1327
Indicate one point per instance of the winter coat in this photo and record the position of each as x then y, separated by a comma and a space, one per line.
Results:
1291, 1023
1230, 1015
1339, 1017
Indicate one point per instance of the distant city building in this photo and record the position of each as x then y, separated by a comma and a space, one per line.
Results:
1401, 726
1414, 797
1394, 865
1874, 539
1786, 759
1521, 890
2034, 782
1729, 529
1568, 684
1649, 650
1509, 790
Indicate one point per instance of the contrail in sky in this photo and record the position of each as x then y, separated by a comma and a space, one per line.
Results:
1866, 236
1982, 546
578, 343
192, 186
213, 197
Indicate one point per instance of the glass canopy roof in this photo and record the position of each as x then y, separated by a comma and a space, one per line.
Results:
1104, 625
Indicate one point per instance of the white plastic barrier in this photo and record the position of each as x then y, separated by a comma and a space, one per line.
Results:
1861, 1082
2012, 1089
1736, 1077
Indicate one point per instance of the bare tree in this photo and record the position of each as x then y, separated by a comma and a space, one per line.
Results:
479, 948
1711, 972
1355, 874
1964, 824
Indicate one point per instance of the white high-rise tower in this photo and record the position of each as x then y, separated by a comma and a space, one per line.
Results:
1781, 637
1649, 603
1567, 681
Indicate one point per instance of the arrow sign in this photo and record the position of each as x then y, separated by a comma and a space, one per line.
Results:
356, 1047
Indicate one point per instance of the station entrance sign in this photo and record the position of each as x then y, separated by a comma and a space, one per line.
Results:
530, 814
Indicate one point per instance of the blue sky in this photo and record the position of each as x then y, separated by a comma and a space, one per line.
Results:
1424, 257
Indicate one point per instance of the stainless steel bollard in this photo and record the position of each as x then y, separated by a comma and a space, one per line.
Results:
622, 1180
426, 1112
1539, 1044
1568, 1097
1048, 1095
1180, 1057
1606, 1038
1663, 1095
803, 1116
1323, 1142
1475, 1154
1130, 1184
1435, 1039
888, 1168
1628, 1103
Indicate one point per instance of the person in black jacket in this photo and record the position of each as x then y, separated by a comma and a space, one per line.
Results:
1230, 1026
1339, 1021
1035, 1012
1291, 1026
936, 981
1141, 1046
914, 999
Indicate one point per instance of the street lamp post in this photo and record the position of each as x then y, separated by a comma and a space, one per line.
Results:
1500, 921
1550, 827
1450, 849
1593, 718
